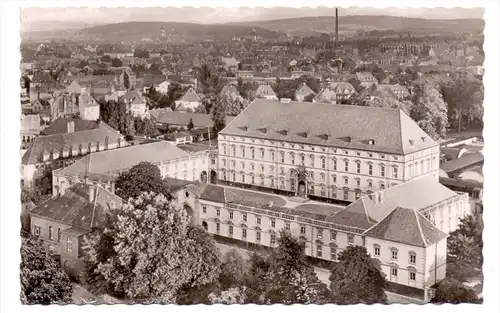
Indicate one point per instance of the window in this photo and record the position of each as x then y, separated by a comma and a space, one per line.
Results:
242, 151
287, 226
244, 217
253, 180
69, 245
312, 160
37, 231
394, 272
282, 156
333, 254
357, 193
252, 166
58, 235
204, 209
262, 153
253, 152
382, 156
273, 222
395, 172
243, 177
223, 162
257, 236
358, 182
323, 191
217, 227
370, 169
413, 258
225, 152
302, 230
382, 170
231, 214
234, 176
413, 276
334, 164
376, 250
319, 251
319, 233
262, 168
51, 233
370, 184
217, 212
346, 165
334, 178
244, 233
394, 254
233, 164
382, 186
346, 180
272, 155
233, 150
358, 167
350, 239
323, 163
302, 159
422, 170
293, 158
258, 220
230, 230
346, 193
273, 239
333, 235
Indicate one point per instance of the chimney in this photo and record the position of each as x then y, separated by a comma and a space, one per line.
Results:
336, 27
71, 127
91, 193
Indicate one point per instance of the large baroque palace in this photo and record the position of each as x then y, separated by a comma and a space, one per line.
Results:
335, 152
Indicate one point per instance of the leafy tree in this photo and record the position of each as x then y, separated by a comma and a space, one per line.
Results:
42, 280
311, 82
145, 126
143, 177
190, 125
218, 117
235, 295
309, 97
356, 83
116, 116
141, 53
154, 252
285, 276
357, 278
175, 92
106, 58
453, 292
116, 62
430, 111
286, 88
233, 270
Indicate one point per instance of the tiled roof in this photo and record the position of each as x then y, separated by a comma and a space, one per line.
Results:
463, 162
109, 163
265, 90
406, 226
326, 95
331, 125
165, 116
229, 90
365, 77
176, 184
59, 142
190, 96
304, 90
213, 193
132, 96
87, 101
75, 208
355, 215
341, 87
60, 126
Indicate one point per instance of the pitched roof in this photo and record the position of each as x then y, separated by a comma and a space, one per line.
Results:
87, 101
132, 96
190, 96
265, 90
304, 90
365, 77
406, 226
60, 126
355, 215
331, 125
75, 207
463, 162
229, 89
326, 95
59, 142
166, 116
341, 87
110, 162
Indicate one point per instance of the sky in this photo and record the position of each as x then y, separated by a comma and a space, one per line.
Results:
54, 18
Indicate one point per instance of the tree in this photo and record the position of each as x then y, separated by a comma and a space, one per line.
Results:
430, 111
143, 177
285, 276
453, 292
311, 82
42, 280
286, 88
175, 92
116, 62
106, 58
218, 117
145, 126
190, 125
309, 97
235, 295
356, 83
233, 270
357, 278
154, 253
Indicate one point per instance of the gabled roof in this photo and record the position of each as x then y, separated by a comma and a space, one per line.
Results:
355, 215
110, 162
340, 87
60, 126
265, 90
406, 226
463, 162
166, 116
190, 96
75, 207
365, 77
87, 101
59, 142
326, 95
229, 89
304, 90
345, 126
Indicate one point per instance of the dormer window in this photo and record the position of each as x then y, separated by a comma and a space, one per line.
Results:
371, 142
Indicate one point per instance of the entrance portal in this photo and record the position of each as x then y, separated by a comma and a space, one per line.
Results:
302, 189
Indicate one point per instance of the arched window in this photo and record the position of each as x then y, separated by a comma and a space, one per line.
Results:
323, 162
334, 178
242, 148
322, 175
412, 273
253, 152
395, 171
282, 157
334, 164
382, 170
311, 157
272, 155
224, 149
323, 191
292, 157
262, 153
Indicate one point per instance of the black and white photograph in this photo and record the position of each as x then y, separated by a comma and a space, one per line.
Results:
250, 155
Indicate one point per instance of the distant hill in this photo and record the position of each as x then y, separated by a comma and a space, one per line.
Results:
135, 31
311, 26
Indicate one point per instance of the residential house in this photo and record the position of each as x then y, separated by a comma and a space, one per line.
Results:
31, 126
265, 92
189, 101
343, 90
179, 138
230, 90
304, 91
366, 78
88, 108
135, 102
60, 149
326, 95
158, 82
63, 221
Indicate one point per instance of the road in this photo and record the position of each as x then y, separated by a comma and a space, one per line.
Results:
324, 274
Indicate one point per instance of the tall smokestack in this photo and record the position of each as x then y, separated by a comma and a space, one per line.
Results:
336, 27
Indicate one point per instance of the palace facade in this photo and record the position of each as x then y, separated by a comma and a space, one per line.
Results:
317, 150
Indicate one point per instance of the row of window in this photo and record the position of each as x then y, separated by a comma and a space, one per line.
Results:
258, 235
382, 167
37, 230
412, 256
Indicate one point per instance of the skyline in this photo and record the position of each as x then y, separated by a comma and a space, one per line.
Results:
33, 19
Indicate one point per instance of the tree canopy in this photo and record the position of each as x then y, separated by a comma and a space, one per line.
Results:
116, 62
453, 292
42, 279
143, 177
357, 278
116, 116
430, 111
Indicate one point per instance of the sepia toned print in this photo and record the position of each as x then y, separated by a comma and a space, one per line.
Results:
277, 155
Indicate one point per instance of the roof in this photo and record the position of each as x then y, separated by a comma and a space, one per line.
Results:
365, 77
229, 89
213, 193
60, 126
132, 96
265, 90
179, 118
331, 125
340, 87
61, 141
304, 90
463, 162
452, 153
326, 95
406, 226
190, 96
355, 215
176, 184
75, 208
110, 162
151, 80
87, 101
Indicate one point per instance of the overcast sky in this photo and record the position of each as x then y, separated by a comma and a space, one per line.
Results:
37, 18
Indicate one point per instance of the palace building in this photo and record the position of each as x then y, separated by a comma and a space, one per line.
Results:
317, 150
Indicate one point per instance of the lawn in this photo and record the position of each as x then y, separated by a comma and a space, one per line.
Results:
319, 208
257, 197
